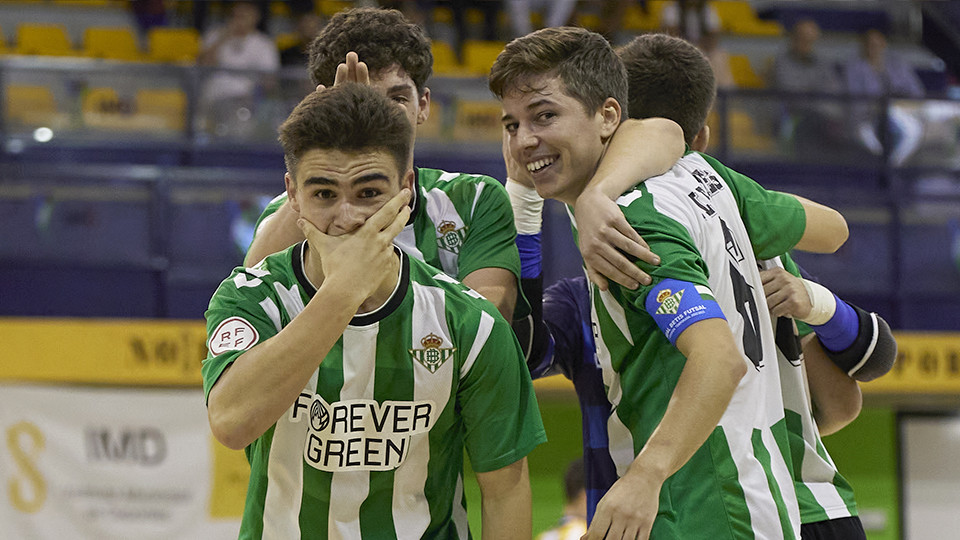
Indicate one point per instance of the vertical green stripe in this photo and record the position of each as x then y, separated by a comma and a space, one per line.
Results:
315, 504
257, 455
763, 456
810, 510
731, 492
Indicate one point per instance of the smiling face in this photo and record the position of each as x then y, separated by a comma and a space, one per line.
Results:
337, 191
553, 137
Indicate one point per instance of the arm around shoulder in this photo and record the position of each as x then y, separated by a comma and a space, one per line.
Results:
275, 233
826, 229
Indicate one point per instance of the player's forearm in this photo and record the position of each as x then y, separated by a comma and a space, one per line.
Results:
506, 502
826, 228
262, 383
836, 397
640, 149
709, 379
276, 233
498, 285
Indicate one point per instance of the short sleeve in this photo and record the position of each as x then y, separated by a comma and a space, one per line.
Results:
236, 322
774, 221
501, 417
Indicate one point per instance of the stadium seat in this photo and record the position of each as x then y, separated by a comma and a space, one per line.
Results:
744, 135
445, 61
743, 73
173, 44
43, 39
738, 17
329, 8
115, 43
636, 19
167, 105
478, 56
4, 49
477, 121
101, 108
30, 105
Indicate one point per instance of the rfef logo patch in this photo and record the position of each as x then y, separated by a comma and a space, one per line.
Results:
233, 334
433, 354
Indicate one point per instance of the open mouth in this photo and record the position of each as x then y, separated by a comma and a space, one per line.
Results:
536, 166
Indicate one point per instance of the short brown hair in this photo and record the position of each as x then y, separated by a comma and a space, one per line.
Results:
349, 117
380, 37
583, 60
670, 78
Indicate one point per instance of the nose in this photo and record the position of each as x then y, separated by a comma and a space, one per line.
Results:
349, 217
525, 137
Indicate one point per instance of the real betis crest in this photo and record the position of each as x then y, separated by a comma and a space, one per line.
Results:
449, 237
433, 354
669, 303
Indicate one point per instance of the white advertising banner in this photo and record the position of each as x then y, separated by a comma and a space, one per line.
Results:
106, 463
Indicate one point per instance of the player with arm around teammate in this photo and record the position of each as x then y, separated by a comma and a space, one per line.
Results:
354, 375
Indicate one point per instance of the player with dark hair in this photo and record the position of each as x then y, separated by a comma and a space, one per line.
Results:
355, 375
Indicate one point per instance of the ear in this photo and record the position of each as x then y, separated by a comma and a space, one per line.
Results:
291, 186
424, 109
407, 180
610, 117
702, 139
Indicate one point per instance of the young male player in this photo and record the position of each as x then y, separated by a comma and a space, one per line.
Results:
697, 428
355, 375
460, 223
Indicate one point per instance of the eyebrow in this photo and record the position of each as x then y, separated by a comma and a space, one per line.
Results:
399, 88
530, 106
365, 179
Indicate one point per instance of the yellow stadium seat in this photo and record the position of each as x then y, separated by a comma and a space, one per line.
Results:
637, 20
744, 135
173, 44
328, 8
478, 121
478, 56
738, 17
3, 43
116, 43
31, 105
743, 73
168, 106
43, 39
445, 61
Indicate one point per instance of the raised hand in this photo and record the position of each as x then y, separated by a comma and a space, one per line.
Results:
352, 70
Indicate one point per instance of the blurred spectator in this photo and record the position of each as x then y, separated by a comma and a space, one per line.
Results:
201, 12
690, 19
307, 25
573, 524
148, 13
878, 72
236, 45
554, 12
719, 60
807, 122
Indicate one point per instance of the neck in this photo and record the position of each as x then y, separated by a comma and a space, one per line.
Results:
314, 272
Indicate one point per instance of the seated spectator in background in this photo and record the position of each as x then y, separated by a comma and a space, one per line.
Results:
148, 14
690, 20
235, 45
555, 13
800, 69
307, 25
573, 523
878, 72
719, 60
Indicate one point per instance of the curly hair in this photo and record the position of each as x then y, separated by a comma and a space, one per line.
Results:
380, 37
349, 117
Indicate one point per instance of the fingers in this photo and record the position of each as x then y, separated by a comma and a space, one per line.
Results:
352, 70
596, 278
321, 88
388, 213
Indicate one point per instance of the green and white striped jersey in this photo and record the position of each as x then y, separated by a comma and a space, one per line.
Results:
738, 484
373, 447
459, 223
823, 493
